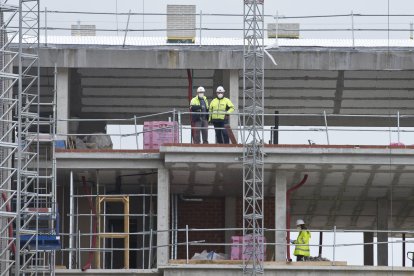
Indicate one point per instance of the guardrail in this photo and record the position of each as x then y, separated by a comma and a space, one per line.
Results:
342, 26
182, 247
129, 133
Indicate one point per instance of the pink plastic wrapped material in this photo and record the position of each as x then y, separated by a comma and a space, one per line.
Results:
237, 247
157, 133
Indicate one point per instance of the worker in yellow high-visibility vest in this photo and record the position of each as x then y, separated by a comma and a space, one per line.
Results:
302, 242
220, 108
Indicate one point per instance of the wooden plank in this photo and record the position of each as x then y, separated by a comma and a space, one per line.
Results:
231, 134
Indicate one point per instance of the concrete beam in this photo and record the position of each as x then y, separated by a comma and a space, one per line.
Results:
291, 155
108, 160
226, 57
382, 238
62, 102
163, 216
280, 214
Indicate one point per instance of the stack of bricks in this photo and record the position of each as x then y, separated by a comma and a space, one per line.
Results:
181, 23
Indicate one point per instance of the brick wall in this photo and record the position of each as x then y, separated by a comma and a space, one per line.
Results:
210, 214
206, 214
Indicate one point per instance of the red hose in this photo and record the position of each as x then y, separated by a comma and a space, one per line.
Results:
8, 209
87, 191
190, 96
289, 191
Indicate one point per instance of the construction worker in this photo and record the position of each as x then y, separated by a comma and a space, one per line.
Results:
302, 242
220, 108
199, 122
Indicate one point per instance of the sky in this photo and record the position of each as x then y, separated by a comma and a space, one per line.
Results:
272, 7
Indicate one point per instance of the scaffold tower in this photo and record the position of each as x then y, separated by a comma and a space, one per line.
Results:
253, 137
28, 210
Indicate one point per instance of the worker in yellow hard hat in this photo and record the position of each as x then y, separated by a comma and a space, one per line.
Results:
220, 108
302, 242
199, 116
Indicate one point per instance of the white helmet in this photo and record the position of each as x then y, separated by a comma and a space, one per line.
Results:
201, 90
220, 89
300, 222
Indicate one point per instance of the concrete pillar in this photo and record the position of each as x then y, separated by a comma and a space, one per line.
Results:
369, 248
382, 224
62, 102
231, 84
229, 79
229, 220
163, 216
280, 213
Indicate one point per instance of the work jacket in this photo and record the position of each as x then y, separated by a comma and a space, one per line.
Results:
302, 247
195, 106
219, 108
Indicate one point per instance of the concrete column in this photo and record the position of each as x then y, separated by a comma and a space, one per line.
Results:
382, 224
163, 216
368, 248
231, 84
229, 220
62, 102
280, 213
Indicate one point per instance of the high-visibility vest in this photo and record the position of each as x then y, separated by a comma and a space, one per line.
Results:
196, 102
302, 247
219, 108
195, 106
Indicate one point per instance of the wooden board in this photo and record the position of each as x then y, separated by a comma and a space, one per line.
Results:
231, 134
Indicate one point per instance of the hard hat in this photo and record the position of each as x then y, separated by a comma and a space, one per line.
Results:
220, 89
201, 90
300, 222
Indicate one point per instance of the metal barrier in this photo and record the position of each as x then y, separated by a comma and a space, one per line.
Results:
187, 243
207, 25
393, 136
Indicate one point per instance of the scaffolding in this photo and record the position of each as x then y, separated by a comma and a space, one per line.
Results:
253, 136
111, 227
28, 210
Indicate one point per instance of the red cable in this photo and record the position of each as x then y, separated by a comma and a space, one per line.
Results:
87, 191
8, 209
289, 191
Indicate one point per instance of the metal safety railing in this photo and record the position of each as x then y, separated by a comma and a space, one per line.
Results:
350, 26
130, 133
186, 248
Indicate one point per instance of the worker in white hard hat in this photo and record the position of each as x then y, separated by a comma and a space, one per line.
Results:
302, 242
220, 108
199, 116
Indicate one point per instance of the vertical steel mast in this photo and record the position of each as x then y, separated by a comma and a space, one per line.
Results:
253, 136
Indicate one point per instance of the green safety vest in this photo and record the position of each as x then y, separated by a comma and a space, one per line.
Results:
302, 247
219, 108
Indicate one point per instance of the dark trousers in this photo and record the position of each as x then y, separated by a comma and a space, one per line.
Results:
300, 258
222, 136
200, 126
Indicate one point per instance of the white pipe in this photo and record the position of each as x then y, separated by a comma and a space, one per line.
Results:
71, 212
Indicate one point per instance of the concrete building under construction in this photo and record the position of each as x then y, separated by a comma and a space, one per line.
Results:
152, 205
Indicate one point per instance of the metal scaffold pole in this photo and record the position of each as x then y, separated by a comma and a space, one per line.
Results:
253, 137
